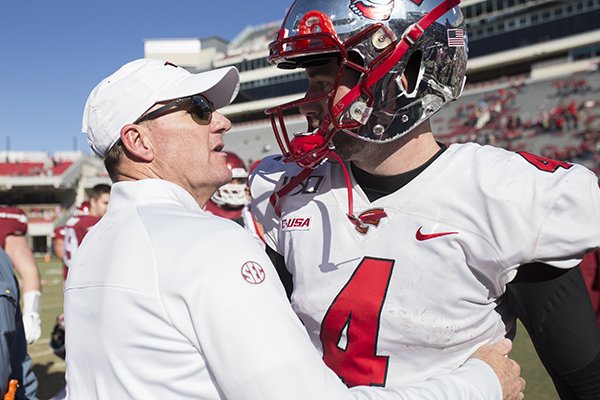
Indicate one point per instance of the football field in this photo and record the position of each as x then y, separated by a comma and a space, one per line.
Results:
50, 369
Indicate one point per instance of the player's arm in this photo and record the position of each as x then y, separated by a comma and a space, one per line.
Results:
284, 275
436, 387
554, 306
24, 263
237, 315
58, 247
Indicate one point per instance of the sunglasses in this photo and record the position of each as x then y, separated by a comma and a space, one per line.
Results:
200, 108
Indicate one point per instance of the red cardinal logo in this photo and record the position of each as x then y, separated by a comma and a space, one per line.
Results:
373, 9
370, 217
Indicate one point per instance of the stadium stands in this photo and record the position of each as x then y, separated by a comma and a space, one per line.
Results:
21, 168
47, 187
558, 118
33, 168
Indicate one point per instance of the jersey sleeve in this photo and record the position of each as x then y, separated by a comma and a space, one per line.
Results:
13, 221
572, 226
237, 315
533, 210
58, 233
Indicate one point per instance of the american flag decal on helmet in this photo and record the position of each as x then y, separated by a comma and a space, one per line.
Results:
456, 37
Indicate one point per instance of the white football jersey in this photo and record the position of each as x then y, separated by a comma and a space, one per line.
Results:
76, 228
414, 294
165, 301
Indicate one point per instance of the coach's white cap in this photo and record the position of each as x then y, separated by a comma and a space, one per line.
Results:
124, 96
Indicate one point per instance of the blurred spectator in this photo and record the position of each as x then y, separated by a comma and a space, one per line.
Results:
58, 241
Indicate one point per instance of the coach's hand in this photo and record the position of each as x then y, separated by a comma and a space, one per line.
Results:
507, 370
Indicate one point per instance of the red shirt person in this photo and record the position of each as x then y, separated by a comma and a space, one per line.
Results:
78, 226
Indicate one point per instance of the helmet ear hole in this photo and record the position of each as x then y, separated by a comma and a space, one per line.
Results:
356, 58
411, 72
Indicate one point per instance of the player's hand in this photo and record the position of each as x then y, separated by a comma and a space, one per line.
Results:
507, 370
31, 316
33, 327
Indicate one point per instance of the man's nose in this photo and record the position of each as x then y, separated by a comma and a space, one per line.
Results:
219, 123
312, 109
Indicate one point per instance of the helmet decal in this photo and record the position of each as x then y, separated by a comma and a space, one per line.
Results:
315, 22
379, 10
456, 37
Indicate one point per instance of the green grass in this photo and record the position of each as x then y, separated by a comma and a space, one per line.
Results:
50, 369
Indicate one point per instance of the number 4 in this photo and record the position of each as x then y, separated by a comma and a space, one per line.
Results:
543, 163
351, 325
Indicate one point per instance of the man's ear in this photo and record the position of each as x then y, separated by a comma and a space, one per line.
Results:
136, 141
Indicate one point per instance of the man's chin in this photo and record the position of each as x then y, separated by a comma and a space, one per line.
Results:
347, 147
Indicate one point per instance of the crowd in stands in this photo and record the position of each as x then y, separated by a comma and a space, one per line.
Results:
568, 130
567, 87
25, 168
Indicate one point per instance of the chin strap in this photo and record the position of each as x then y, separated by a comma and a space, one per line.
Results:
360, 221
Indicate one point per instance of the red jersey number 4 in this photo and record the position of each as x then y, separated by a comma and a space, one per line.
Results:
543, 163
351, 325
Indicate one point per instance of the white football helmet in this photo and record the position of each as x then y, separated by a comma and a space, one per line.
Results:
233, 194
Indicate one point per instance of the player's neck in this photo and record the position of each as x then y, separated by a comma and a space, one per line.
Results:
402, 155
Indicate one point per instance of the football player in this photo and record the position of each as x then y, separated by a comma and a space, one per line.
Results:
81, 222
13, 227
76, 228
232, 200
400, 250
58, 235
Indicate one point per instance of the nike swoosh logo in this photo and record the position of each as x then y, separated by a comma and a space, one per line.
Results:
426, 236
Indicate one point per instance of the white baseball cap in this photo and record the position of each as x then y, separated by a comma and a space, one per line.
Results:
124, 96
